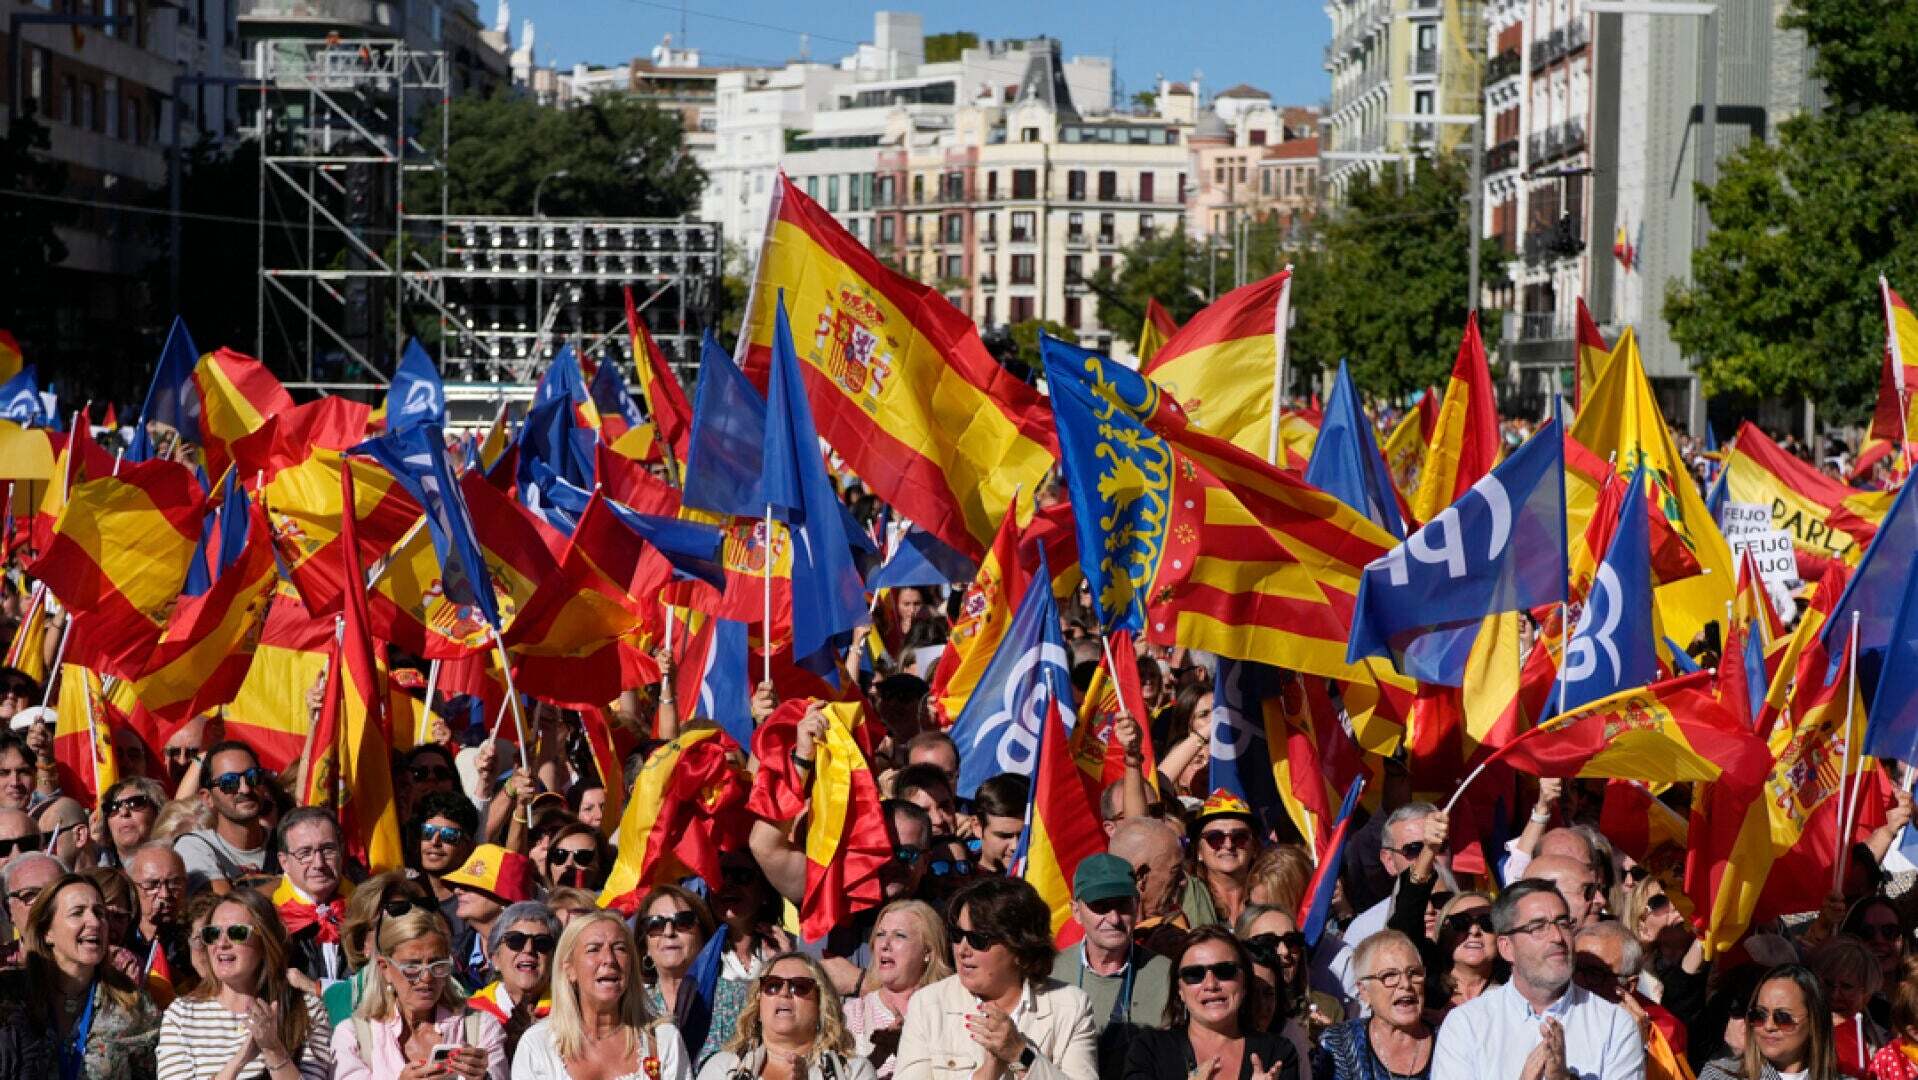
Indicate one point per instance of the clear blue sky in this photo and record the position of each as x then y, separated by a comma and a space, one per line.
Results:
1272, 44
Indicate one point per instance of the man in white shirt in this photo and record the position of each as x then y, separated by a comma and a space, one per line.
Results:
1539, 1025
1404, 839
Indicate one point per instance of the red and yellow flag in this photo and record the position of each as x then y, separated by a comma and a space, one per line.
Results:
269, 711
666, 405
11, 359
1589, 360
1465, 444
1220, 366
27, 652
1632, 818
1064, 823
900, 383
1892, 423
1404, 448
83, 735
688, 801
1668, 732
237, 396
1155, 331
367, 813
1825, 519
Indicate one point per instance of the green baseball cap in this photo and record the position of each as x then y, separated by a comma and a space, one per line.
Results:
1103, 877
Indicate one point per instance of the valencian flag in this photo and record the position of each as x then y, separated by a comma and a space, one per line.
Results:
1668, 732
354, 709
1062, 822
687, 805
1825, 519
1155, 331
1589, 359
900, 383
1499, 548
1614, 643
1030, 675
1277, 741
1346, 461
1405, 448
416, 395
1221, 365
666, 404
848, 838
1465, 444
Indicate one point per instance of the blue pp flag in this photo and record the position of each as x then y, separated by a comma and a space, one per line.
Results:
417, 459
551, 439
416, 396
1499, 548
1241, 750
1891, 724
1612, 647
1877, 587
1325, 879
171, 399
1346, 461
725, 697
20, 400
998, 730
694, 1015
727, 443
828, 594
922, 559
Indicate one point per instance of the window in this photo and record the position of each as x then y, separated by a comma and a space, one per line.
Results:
1145, 187
1218, 175
1074, 269
953, 228
985, 313
1422, 101
1075, 226
131, 125
201, 21
852, 228
89, 107
955, 186
886, 229
108, 8
1106, 223
1029, 134
882, 191
1146, 226
1025, 183
992, 185
1073, 312
832, 194
955, 266
1258, 137
1181, 187
918, 189
1105, 264
992, 228
1021, 226
812, 188
1076, 185
112, 106
1021, 309
1288, 181
1265, 182
37, 77
1108, 185
1023, 269
70, 100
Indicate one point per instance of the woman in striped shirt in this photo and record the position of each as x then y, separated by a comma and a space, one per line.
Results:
247, 1021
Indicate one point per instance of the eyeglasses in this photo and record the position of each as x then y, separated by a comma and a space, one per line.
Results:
129, 803
236, 933
1880, 932
25, 897
394, 907
1465, 922
1395, 978
584, 856
1782, 1020
451, 835
1538, 927
1224, 971
797, 986
14, 845
682, 921
517, 941
1271, 942
328, 852
182, 753
1220, 839
157, 886
976, 940
423, 773
438, 969
950, 868
908, 854
1412, 850
229, 783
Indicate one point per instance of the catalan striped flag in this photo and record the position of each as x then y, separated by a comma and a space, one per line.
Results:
1155, 331
1826, 519
1062, 823
269, 710
666, 404
357, 700
1465, 444
900, 383
688, 801
1221, 365
1590, 357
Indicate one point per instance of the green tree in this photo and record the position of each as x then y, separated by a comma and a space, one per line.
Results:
943, 47
621, 157
29, 246
1025, 340
1783, 298
1167, 266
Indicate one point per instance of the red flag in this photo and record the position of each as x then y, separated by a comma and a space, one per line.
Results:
666, 404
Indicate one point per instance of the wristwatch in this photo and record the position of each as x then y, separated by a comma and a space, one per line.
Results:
1026, 1058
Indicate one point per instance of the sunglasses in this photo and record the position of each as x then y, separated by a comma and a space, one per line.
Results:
423, 773
577, 856
797, 986
1224, 971
1271, 942
14, 845
1782, 1020
229, 783
517, 941
236, 933
400, 905
950, 868
682, 921
130, 803
1412, 850
451, 835
1220, 839
182, 753
1636, 874
1123, 905
1466, 921
976, 940
1661, 902
908, 854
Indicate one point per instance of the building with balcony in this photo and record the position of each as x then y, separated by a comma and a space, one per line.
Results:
1392, 58
1249, 161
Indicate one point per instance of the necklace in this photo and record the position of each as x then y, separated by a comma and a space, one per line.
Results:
1417, 1048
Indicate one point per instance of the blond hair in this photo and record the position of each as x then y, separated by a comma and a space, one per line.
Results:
932, 931
832, 1034
566, 1023
378, 1002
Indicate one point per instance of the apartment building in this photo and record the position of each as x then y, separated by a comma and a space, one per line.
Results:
1390, 59
1250, 160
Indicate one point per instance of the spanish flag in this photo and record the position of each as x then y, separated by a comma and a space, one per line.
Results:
1405, 447
1589, 360
83, 735
159, 977
1155, 331
688, 801
848, 838
1220, 366
900, 383
666, 405
237, 395
269, 710
27, 652
1621, 422
1465, 444
1668, 732
1824, 518
75, 460
1062, 826
1638, 823
355, 704
11, 358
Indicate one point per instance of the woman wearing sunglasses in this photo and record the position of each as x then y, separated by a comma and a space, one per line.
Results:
1788, 1032
1876, 922
383, 896
1674, 953
247, 1020
412, 1013
1210, 1028
1465, 962
577, 857
792, 1028
602, 1027
1302, 1011
673, 925
521, 947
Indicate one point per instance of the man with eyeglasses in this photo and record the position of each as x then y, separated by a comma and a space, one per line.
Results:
311, 896
18, 835
128, 811
1128, 985
234, 787
1540, 1025
23, 879
159, 884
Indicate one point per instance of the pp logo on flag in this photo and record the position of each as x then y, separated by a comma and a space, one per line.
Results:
1013, 730
22, 407
1607, 602
422, 399
1440, 542
1231, 735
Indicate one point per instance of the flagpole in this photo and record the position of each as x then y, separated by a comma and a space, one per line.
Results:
93, 737
1847, 810
1494, 756
766, 631
512, 695
59, 654
1280, 317
1118, 686
1564, 650
426, 716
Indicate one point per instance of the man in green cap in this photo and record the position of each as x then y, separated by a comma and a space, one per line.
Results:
1128, 986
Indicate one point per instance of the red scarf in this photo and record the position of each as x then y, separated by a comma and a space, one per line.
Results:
297, 914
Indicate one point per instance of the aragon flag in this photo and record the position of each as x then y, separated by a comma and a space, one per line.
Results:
900, 383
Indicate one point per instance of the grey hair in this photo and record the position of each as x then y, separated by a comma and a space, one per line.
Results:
24, 860
1631, 954
1362, 956
1505, 908
524, 911
1252, 914
1412, 811
307, 815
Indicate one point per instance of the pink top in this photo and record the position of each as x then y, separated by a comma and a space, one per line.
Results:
384, 1059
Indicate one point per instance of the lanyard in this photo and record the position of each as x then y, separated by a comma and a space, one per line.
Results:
73, 1050
1122, 1008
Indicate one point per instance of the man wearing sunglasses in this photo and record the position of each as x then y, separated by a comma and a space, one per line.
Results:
159, 885
182, 749
1583, 894
1609, 958
18, 835
235, 788
1539, 1025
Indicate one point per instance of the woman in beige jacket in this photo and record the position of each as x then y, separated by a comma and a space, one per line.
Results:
1000, 1016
